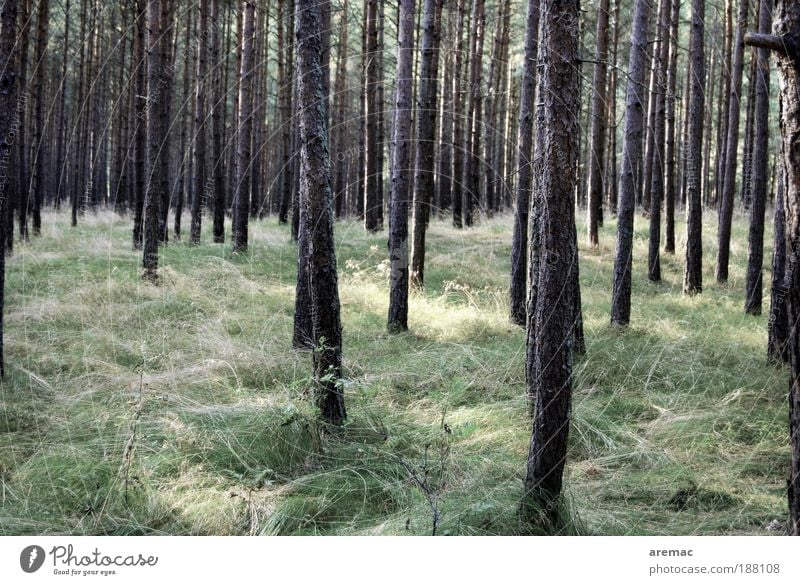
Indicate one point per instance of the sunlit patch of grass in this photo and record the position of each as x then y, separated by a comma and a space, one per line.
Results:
678, 422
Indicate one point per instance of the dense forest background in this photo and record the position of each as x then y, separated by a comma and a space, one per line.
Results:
425, 266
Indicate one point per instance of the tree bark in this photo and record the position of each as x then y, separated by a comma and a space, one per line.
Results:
241, 201
550, 328
426, 136
401, 170
317, 198
8, 128
519, 246
200, 154
631, 159
693, 274
755, 240
597, 143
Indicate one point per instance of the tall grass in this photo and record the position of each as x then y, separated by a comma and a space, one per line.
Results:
180, 408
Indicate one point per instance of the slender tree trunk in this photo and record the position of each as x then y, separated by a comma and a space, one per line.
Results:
155, 138
458, 120
426, 136
401, 170
472, 140
631, 159
550, 327
670, 179
594, 208
755, 240
8, 109
218, 100
373, 207
519, 246
244, 135
693, 275
317, 198
200, 131
41, 161
656, 186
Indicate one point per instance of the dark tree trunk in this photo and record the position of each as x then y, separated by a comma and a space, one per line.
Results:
426, 136
285, 77
22, 200
670, 177
41, 162
631, 160
218, 99
472, 140
777, 349
401, 170
786, 43
8, 108
373, 206
341, 151
317, 198
551, 324
155, 138
140, 131
656, 187
244, 135
458, 119
598, 130
519, 246
693, 274
755, 240
200, 130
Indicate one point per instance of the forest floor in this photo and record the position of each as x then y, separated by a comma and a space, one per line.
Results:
181, 408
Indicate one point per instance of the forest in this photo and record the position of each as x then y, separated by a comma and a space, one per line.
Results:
424, 267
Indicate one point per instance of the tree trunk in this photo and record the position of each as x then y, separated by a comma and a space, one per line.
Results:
401, 169
458, 119
519, 246
244, 136
218, 99
317, 198
693, 275
755, 240
778, 325
472, 140
656, 187
670, 178
631, 159
426, 136
200, 154
41, 161
550, 328
155, 137
786, 43
373, 207
8, 109
597, 143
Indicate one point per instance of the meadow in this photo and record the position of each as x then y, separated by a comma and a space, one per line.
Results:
181, 408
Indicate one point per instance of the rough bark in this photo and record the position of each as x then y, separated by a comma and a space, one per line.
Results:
670, 176
200, 130
8, 108
550, 328
693, 273
241, 200
755, 239
597, 142
656, 186
317, 198
401, 171
426, 136
519, 246
631, 159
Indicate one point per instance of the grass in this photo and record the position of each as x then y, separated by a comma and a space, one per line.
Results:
129, 408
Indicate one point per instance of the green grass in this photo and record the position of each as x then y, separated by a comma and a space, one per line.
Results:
129, 408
